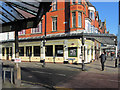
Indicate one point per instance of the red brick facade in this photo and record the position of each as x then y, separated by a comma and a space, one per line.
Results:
64, 19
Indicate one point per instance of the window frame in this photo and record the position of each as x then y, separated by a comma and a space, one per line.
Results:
54, 24
29, 54
73, 19
22, 32
49, 50
56, 49
73, 2
23, 51
69, 48
54, 3
80, 23
38, 29
79, 1
36, 54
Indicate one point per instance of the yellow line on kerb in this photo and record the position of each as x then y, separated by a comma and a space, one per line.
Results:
62, 88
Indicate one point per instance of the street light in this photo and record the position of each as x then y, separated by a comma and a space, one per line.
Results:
115, 40
83, 53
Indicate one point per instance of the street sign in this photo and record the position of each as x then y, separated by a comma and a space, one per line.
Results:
17, 60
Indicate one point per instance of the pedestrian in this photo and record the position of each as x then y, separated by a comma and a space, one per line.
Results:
103, 59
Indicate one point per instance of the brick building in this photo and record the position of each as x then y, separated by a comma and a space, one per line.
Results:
64, 18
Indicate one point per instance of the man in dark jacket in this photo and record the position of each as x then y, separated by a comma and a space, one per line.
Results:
103, 59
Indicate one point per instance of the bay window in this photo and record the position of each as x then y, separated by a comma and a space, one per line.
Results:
79, 20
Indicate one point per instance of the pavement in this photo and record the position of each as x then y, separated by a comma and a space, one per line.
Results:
57, 76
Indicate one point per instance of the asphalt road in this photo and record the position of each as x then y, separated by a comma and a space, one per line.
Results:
47, 77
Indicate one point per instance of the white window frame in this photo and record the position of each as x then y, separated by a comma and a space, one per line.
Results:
79, 19
79, 1
22, 32
73, 21
38, 29
54, 23
54, 3
73, 2
92, 16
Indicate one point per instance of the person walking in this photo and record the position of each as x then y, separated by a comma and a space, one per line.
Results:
103, 59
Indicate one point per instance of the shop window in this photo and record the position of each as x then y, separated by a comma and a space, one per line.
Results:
3, 51
79, 2
54, 24
38, 29
72, 51
11, 51
36, 50
59, 50
73, 19
21, 32
29, 51
54, 5
21, 51
7, 50
79, 19
49, 50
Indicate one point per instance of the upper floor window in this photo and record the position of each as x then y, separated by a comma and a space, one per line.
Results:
54, 24
73, 1
54, 5
73, 19
38, 29
21, 32
79, 1
79, 19
91, 15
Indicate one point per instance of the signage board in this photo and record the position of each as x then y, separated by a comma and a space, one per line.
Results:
17, 60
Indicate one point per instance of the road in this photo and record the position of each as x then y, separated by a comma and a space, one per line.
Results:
69, 76
48, 77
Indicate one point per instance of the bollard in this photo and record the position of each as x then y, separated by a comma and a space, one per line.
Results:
43, 63
116, 63
11, 71
83, 65
17, 75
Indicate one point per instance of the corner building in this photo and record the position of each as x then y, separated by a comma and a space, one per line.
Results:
64, 18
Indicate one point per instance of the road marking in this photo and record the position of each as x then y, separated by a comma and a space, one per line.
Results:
49, 73
42, 72
61, 74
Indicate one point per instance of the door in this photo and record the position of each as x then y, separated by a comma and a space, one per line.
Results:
7, 53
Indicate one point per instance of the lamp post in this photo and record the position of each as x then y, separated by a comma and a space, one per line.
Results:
83, 53
115, 40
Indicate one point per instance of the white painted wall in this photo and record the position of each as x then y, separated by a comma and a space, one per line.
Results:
87, 26
6, 36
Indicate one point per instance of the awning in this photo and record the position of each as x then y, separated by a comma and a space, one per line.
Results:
105, 39
21, 14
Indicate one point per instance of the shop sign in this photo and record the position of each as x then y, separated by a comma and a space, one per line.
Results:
17, 60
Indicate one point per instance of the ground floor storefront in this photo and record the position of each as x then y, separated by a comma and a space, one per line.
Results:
55, 51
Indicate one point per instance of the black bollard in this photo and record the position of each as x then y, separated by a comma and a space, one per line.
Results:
43, 63
116, 63
83, 65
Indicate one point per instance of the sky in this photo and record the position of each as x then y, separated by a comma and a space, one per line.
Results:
110, 12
